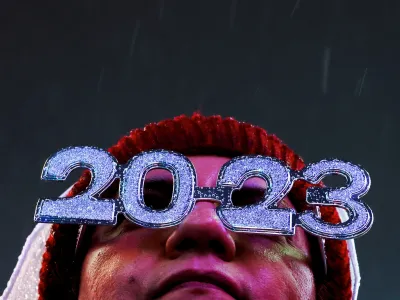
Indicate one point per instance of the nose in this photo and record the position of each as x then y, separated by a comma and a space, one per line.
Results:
201, 231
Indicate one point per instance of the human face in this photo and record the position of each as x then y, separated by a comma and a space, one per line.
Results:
199, 258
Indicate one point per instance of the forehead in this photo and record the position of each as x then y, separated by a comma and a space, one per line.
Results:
207, 168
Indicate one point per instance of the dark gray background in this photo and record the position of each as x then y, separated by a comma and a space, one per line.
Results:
322, 75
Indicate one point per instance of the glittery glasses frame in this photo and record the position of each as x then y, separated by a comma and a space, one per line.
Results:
264, 217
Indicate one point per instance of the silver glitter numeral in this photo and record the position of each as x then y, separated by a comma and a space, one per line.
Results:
358, 183
131, 188
265, 216
83, 208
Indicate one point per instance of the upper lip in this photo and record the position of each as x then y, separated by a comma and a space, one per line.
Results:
218, 279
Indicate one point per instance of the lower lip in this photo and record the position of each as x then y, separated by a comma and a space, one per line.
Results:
196, 288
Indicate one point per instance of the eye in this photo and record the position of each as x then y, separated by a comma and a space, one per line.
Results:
158, 188
253, 190
155, 198
158, 198
247, 196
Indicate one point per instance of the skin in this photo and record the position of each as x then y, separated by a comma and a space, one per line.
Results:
129, 261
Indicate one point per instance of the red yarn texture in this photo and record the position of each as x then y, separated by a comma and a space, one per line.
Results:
198, 134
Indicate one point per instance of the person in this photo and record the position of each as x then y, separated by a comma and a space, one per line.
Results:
199, 258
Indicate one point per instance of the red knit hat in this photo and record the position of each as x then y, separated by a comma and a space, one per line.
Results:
59, 275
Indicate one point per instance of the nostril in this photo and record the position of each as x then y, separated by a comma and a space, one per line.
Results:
186, 244
217, 246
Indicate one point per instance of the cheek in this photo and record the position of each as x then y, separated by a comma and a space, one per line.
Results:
119, 266
303, 281
115, 271
301, 269
99, 273
281, 277
279, 271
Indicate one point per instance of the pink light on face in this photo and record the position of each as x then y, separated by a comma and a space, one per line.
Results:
133, 262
